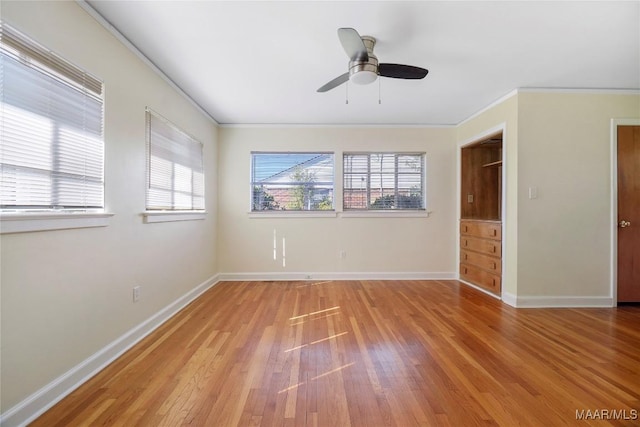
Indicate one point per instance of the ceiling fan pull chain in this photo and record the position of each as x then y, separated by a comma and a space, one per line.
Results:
379, 97
347, 97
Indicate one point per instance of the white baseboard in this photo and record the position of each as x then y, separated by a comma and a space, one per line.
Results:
557, 302
476, 287
267, 277
35, 405
510, 299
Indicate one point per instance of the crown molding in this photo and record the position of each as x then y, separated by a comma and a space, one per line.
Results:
127, 43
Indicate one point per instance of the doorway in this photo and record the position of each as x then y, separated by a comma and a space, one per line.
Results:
480, 207
627, 208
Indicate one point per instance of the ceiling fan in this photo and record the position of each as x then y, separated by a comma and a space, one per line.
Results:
363, 64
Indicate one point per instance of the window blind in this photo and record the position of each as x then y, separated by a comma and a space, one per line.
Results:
175, 172
378, 181
291, 181
51, 123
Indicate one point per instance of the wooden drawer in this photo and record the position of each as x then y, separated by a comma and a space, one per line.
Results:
484, 246
487, 230
490, 263
477, 276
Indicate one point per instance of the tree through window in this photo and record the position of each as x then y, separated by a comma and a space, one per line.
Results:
291, 181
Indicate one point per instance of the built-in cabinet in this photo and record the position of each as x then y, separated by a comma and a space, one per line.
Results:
481, 213
481, 253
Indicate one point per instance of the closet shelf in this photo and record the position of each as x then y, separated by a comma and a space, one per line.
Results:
493, 164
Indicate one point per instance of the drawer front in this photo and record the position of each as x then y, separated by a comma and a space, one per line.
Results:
484, 246
487, 230
477, 276
492, 264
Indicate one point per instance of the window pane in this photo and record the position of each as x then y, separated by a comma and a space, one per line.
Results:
175, 175
379, 181
292, 181
52, 148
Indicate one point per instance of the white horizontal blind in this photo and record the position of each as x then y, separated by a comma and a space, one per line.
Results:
175, 172
380, 181
291, 181
51, 119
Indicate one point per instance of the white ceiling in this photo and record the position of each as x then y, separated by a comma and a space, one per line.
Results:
261, 62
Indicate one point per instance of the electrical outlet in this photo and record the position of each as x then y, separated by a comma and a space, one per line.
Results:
136, 293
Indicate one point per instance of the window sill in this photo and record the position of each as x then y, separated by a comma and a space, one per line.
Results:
387, 214
23, 222
347, 214
293, 214
170, 216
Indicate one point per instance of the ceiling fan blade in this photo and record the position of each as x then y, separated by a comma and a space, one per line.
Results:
352, 44
334, 83
399, 71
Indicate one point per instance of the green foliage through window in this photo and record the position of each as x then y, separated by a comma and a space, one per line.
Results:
292, 181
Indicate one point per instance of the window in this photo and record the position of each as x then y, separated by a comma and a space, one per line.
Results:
380, 181
291, 181
175, 172
51, 117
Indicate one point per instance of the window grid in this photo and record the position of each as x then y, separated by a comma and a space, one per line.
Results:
175, 171
383, 181
51, 115
292, 181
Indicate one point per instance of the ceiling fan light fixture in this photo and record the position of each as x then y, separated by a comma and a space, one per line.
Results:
363, 77
364, 72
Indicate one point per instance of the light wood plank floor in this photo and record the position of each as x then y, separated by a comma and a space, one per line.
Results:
368, 353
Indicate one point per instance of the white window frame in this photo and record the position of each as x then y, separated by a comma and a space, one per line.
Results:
304, 213
40, 61
178, 140
394, 212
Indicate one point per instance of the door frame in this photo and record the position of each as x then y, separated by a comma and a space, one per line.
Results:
501, 127
614, 202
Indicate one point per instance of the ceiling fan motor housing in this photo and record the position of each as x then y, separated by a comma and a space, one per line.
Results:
364, 72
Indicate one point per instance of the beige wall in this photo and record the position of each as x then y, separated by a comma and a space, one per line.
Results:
68, 293
564, 150
557, 245
372, 245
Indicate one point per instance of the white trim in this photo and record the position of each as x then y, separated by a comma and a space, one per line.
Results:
503, 201
560, 302
478, 288
509, 299
585, 91
330, 125
614, 203
391, 213
488, 107
270, 276
168, 216
501, 127
292, 214
579, 91
35, 405
127, 43
22, 222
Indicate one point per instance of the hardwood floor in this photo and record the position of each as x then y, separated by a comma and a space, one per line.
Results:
368, 353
